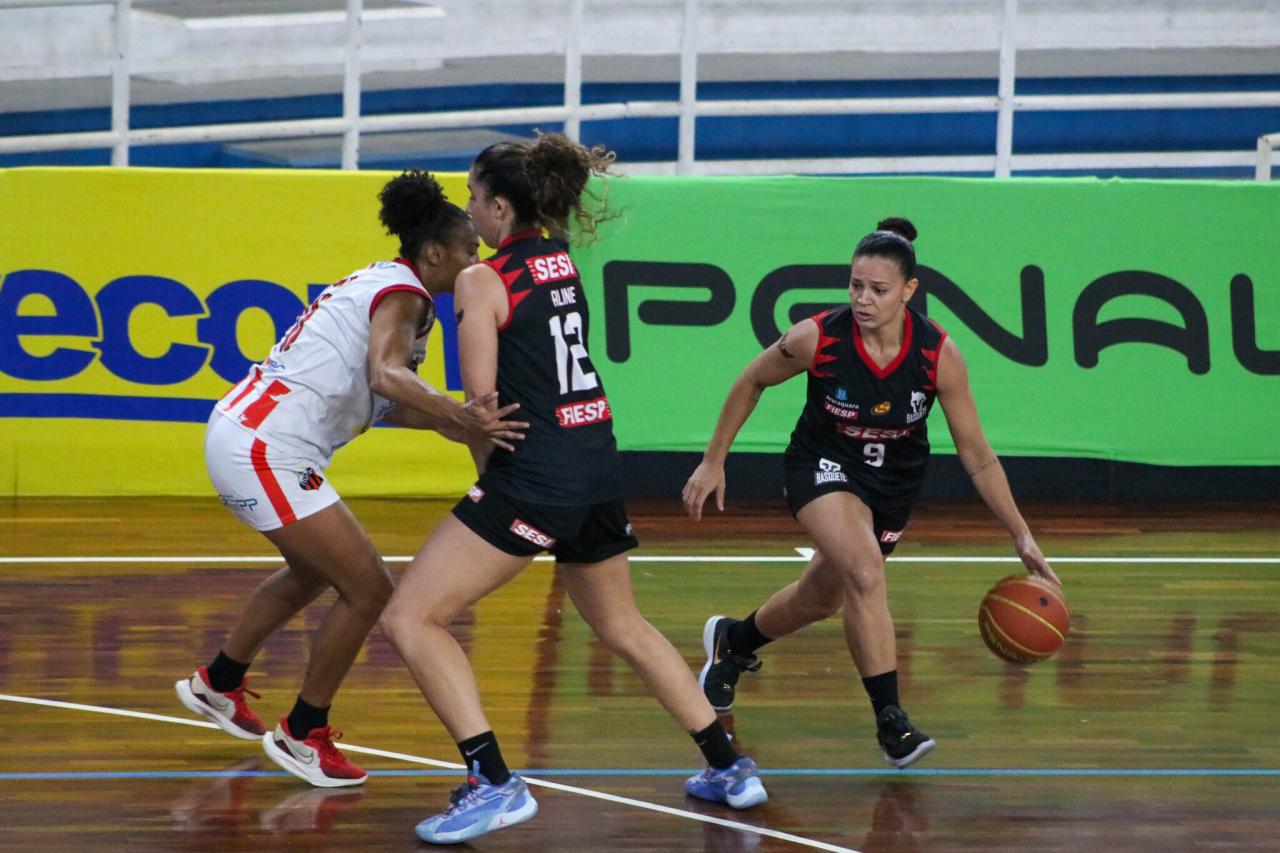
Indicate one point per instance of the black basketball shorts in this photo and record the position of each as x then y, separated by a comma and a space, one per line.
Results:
586, 533
808, 477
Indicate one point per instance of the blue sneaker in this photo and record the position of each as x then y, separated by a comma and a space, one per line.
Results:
478, 808
738, 785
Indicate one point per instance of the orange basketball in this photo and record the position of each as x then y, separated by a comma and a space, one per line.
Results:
1023, 619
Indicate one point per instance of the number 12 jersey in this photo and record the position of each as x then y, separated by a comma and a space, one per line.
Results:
568, 456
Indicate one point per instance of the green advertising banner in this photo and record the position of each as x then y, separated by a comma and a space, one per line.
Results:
1135, 321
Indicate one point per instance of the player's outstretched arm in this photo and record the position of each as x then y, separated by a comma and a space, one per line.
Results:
980, 461
392, 375
792, 354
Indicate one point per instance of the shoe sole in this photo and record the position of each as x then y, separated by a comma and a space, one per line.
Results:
506, 820
753, 796
192, 703
708, 645
302, 771
906, 761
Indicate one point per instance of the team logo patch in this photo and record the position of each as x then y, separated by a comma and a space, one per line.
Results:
881, 408
890, 536
529, 533
585, 413
475, 493
548, 268
916, 408
829, 472
309, 480
873, 433
842, 394
840, 408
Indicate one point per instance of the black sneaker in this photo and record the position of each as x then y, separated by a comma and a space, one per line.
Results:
903, 744
720, 673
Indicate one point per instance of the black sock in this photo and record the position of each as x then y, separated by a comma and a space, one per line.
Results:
226, 674
303, 718
883, 690
715, 746
483, 750
744, 637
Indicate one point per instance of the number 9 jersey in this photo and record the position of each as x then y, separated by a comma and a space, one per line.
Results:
568, 456
863, 423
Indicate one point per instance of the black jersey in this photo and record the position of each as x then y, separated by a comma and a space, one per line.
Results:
868, 420
568, 455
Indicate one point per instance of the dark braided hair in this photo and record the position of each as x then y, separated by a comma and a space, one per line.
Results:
415, 210
892, 239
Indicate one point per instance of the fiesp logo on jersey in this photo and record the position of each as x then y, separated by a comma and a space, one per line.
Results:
38, 304
548, 269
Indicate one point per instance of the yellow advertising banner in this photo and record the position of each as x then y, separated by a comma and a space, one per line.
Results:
132, 299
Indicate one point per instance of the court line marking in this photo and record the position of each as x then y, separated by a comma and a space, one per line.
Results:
417, 759
624, 773
802, 555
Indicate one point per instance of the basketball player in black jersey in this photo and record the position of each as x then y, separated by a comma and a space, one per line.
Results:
853, 469
522, 331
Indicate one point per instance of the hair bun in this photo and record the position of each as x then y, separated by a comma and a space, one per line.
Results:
898, 225
410, 201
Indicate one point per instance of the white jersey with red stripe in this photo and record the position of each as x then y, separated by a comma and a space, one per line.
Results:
312, 395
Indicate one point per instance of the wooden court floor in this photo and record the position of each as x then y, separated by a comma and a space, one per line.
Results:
1154, 729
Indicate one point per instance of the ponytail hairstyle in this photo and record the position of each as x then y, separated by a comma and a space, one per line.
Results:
545, 181
892, 239
415, 210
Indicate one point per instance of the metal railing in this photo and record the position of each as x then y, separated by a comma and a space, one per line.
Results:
352, 124
1266, 144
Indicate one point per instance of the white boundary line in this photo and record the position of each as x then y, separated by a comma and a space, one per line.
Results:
416, 759
802, 554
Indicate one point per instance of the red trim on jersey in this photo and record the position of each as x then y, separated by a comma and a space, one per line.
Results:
392, 288
882, 372
513, 299
519, 235
820, 357
413, 268
932, 355
253, 380
267, 477
508, 278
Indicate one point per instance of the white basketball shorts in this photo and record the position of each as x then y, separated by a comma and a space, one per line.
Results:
265, 489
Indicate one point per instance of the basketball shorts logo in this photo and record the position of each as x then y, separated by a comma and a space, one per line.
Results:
309, 480
890, 536
829, 472
528, 532
475, 493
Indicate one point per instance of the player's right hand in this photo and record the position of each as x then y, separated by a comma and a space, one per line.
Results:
482, 422
706, 479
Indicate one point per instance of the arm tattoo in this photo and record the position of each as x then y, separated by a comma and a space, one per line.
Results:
458, 316
782, 345
984, 466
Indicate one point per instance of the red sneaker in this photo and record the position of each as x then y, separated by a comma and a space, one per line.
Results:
229, 710
313, 758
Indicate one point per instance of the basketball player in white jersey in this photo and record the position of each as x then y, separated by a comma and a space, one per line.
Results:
348, 362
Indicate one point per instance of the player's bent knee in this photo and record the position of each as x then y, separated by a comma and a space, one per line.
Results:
623, 637
861, 578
